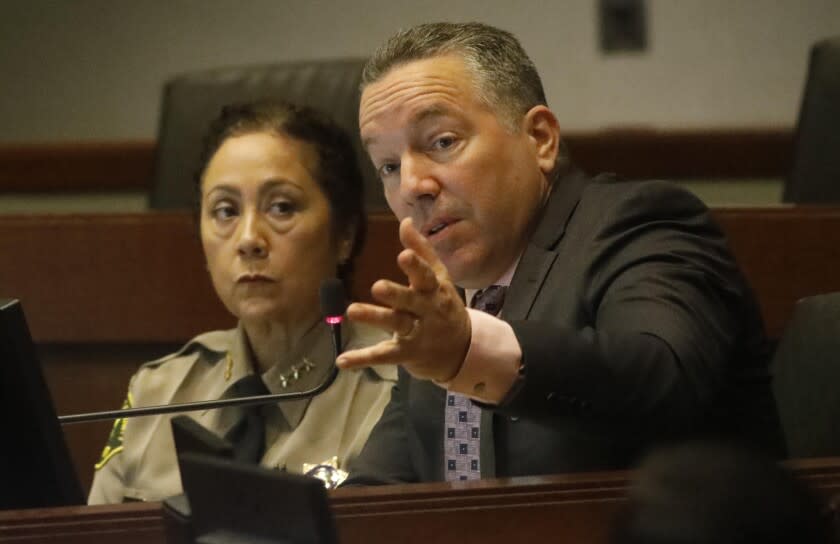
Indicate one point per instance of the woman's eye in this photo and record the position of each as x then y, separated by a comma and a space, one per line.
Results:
281, 207
223, 212
387, 169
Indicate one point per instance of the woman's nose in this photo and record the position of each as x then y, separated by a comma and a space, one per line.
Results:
252, 242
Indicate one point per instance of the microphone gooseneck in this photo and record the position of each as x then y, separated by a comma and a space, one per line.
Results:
333, 305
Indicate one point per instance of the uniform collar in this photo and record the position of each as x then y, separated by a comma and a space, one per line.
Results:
315, 347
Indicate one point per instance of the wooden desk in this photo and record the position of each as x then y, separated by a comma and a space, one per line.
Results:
105, 292
576, 508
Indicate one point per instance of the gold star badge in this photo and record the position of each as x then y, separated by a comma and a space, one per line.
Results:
327, 471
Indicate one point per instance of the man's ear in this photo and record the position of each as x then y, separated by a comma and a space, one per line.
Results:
543, 129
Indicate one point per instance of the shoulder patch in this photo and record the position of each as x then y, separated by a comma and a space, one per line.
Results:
115, 439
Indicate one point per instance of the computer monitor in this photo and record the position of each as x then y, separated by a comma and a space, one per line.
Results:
228, 501
35, 466
250, 504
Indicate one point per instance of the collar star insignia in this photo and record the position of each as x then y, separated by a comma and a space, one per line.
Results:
293, 374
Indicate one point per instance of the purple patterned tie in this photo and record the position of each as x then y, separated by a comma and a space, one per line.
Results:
463, 418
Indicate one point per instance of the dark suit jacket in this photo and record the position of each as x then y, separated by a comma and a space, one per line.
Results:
636, 327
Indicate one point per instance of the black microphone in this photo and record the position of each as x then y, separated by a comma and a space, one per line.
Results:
333, 305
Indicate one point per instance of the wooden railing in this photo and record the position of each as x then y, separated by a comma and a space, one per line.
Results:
577, 508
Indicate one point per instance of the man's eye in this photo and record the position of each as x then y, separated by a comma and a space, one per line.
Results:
444, 142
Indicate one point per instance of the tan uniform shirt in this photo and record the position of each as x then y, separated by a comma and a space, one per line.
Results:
139, 461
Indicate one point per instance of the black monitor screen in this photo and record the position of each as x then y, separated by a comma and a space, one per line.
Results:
35, 466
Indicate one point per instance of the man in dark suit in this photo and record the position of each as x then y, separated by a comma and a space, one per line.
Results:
605, 316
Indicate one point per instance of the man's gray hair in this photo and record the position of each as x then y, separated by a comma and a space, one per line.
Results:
506, 79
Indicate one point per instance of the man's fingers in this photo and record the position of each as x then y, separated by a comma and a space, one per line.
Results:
420, 275
401, 298
395, 321
386, 352
411, 238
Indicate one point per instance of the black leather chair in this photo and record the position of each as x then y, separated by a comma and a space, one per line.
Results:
192, 100
806, 382
815, 176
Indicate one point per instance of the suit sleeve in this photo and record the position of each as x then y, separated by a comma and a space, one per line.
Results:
385, 458
663, 303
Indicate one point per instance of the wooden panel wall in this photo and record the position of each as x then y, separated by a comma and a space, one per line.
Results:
104, 293
786, 253
76, 167
141, 277
635, 153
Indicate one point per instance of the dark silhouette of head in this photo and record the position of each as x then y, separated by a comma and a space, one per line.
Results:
703, 493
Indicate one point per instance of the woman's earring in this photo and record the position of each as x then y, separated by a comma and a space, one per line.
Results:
344, 254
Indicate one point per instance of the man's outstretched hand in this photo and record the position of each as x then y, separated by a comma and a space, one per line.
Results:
430, 324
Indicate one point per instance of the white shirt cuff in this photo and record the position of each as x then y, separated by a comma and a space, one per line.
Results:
492, 363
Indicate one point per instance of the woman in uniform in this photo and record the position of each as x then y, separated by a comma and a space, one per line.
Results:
280, 211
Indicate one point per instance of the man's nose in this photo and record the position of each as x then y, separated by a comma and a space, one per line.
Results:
417, 179
252, 242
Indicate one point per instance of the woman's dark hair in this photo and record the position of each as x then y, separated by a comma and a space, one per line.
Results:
337, 171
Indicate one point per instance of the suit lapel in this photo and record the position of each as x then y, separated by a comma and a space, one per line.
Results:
539, 254
527, 281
